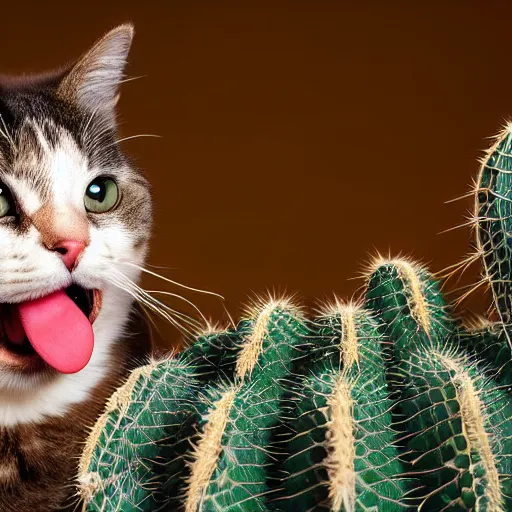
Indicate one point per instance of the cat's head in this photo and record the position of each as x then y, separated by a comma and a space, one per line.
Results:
74, 217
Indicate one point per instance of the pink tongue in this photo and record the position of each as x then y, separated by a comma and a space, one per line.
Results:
58, 330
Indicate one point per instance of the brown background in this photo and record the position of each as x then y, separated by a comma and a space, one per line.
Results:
297, 137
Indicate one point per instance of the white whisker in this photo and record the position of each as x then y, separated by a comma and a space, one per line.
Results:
86, 127
169, 314
132, 78
141, 299
5, 133
181, 298
152, 307
147, 271
137, 137
159, 304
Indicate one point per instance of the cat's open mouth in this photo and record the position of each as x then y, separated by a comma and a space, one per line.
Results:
28, 340
89, 301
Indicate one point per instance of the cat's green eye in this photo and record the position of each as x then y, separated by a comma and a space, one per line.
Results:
101, 195
6, 202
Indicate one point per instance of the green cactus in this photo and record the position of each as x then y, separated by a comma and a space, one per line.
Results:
493, 223
487, 345
394, 405
213, 354
134, 454
490, 342
341, 451
449, 408
228, 465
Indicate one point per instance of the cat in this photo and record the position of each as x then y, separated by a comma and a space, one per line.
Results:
75, 224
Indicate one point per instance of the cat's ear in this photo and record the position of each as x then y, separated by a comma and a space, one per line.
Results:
93, 81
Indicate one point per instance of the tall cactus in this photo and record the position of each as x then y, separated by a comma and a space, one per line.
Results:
493, 216
490, 343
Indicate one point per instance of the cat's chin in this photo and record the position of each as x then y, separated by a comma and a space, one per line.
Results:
21, 356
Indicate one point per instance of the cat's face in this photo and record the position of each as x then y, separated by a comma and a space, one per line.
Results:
74, 217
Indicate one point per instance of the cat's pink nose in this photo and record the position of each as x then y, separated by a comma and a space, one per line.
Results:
70, 251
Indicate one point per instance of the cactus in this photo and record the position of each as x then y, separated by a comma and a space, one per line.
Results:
454, 417
134, 453
493, 223
228, 465
394, 404
341, 453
